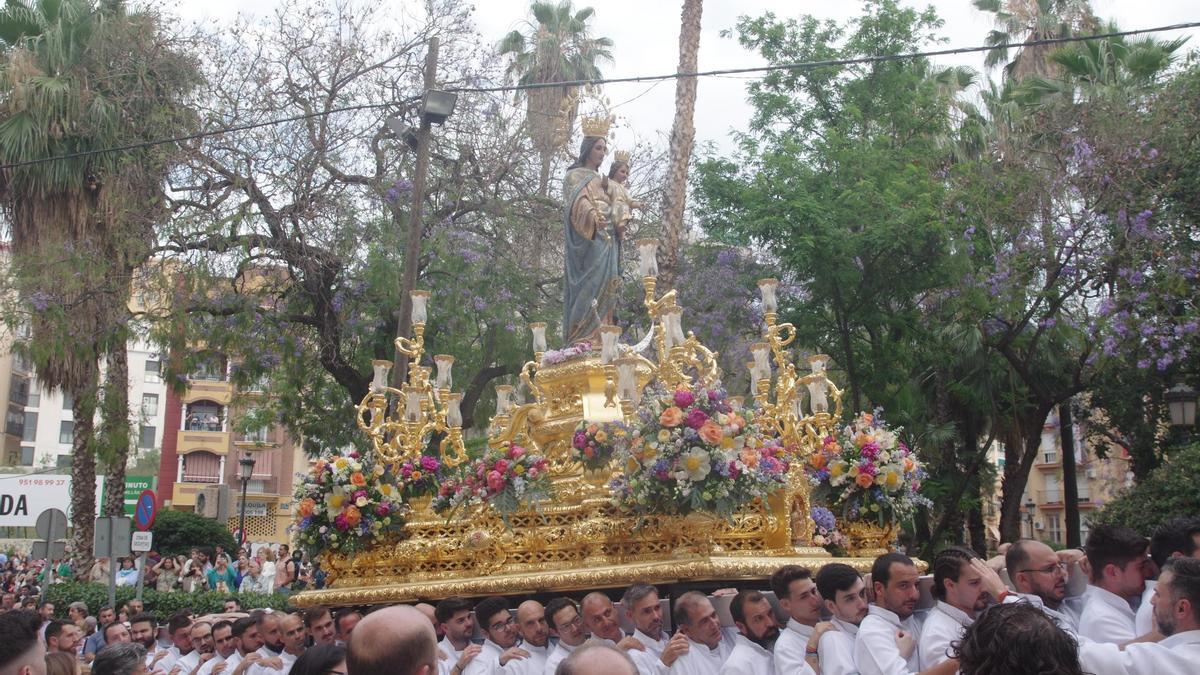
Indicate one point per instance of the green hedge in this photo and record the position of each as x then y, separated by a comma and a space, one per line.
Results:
162, 605
177, 532
1170, 491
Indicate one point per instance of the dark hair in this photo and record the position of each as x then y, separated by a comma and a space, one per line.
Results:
242, 625
947, 564
1185, 582
224, 623
782, 580
585, 149
737, 607
446, 609
682, 614
319, 660
54, 628
612, 168
146, 616
178, 620
1017, 557
47, 602
122, 658
834, 577
488, 608
18, 634
881, 570
60, 663
554, 607
337, 620
1016, 639
232, 599
1175, 535
104, 631
635, 593
313, 613
1113, 545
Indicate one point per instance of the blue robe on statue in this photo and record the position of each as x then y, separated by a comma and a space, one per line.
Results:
592, 252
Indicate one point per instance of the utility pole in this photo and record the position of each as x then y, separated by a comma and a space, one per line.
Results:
412, 252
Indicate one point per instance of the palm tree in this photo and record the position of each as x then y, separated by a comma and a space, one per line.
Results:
1028, 20
683, 135
557, 47
77, 77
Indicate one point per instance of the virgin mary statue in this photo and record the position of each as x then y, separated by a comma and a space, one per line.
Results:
593, 245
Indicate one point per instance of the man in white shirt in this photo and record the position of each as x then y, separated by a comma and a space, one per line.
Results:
797, 594
319, 622
344, 622
887, 638
295, 641
393, 641
457, 624
535, 640
845, 597
707, 645
1040, 578
1178, 537
644, 610
1177, 613
598, 659
245, 632
1117, 557
563, 620
202, 648
600, 619
143, 629
224, 646
963, 585
500, 638
179, 630
757, 632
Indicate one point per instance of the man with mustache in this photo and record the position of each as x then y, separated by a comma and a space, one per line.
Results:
887, 638
1041, 578
757, 633
644, 610
707, 646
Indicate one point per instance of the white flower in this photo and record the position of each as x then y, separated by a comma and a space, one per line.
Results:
696, 463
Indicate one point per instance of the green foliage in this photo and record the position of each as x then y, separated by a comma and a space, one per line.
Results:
1168, 492
178, 532
162, 605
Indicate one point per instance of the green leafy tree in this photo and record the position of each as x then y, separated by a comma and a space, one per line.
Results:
177, 532
1028, 21
1167, 492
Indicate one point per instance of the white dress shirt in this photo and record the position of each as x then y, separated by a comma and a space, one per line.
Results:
452, 656
748, 658
1144, 619
1175, 655
835, 650
700, 660
875, 650
535, 664
487, 662
287, 659
944, 625
1064, 619
1107, 617
188, 662
230, 663
790, 648
557, 655
649, 661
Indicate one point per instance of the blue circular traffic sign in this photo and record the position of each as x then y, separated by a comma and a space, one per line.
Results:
146, 509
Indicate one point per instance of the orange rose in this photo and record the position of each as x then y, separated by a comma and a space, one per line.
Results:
358, 479
353, 515
735, 420
864, 481
671, 417
749, 457
817, 461
306, 507
909, 465
711, 432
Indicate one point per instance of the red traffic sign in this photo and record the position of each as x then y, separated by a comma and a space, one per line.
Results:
145, 511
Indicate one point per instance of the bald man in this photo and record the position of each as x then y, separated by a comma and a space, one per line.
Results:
600, 619
430, 613
597, 659
393, 641
535, 639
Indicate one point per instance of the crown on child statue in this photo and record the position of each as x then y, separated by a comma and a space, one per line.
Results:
621, 156
596, 126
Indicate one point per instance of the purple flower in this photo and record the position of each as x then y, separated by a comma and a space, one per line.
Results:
429, 463
684, 398
696, 418
580, 440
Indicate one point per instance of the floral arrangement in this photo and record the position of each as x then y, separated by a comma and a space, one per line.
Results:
570, 353
346, 503
689, 451
827, 534
509, 479
866, 472
419, 476
594, 444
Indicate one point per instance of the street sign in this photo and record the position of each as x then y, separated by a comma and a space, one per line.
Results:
145, 511
112, 537
141, 542
51, 528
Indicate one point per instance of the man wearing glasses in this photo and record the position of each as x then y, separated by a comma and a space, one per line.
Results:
1117, 556
1041, 578
499, 645
564, 620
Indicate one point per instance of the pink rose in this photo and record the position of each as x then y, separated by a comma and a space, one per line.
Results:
495, 481
684, 398
429, 463
696, 418
382, 510
515, 452
500, 466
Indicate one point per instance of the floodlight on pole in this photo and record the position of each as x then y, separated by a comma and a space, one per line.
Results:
438, 105
1181, 401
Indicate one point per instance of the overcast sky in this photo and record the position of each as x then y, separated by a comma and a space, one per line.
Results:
646, 33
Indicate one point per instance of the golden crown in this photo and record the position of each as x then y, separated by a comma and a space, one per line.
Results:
596, 126
621, 156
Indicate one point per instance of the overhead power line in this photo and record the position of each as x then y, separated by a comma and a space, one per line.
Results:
803, 65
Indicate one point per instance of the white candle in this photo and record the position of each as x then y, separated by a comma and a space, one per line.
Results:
762, 352
676, 315
797, 405
664, 323
539, 336
816, 393
736, 403
648, 257
627, 378
454, 410
503, 398
380, 380
445, 363
412, 404
420, 303
608, 343
767, 288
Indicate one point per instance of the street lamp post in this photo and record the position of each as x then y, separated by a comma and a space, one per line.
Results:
1181, 401
1029, 509
245, 470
